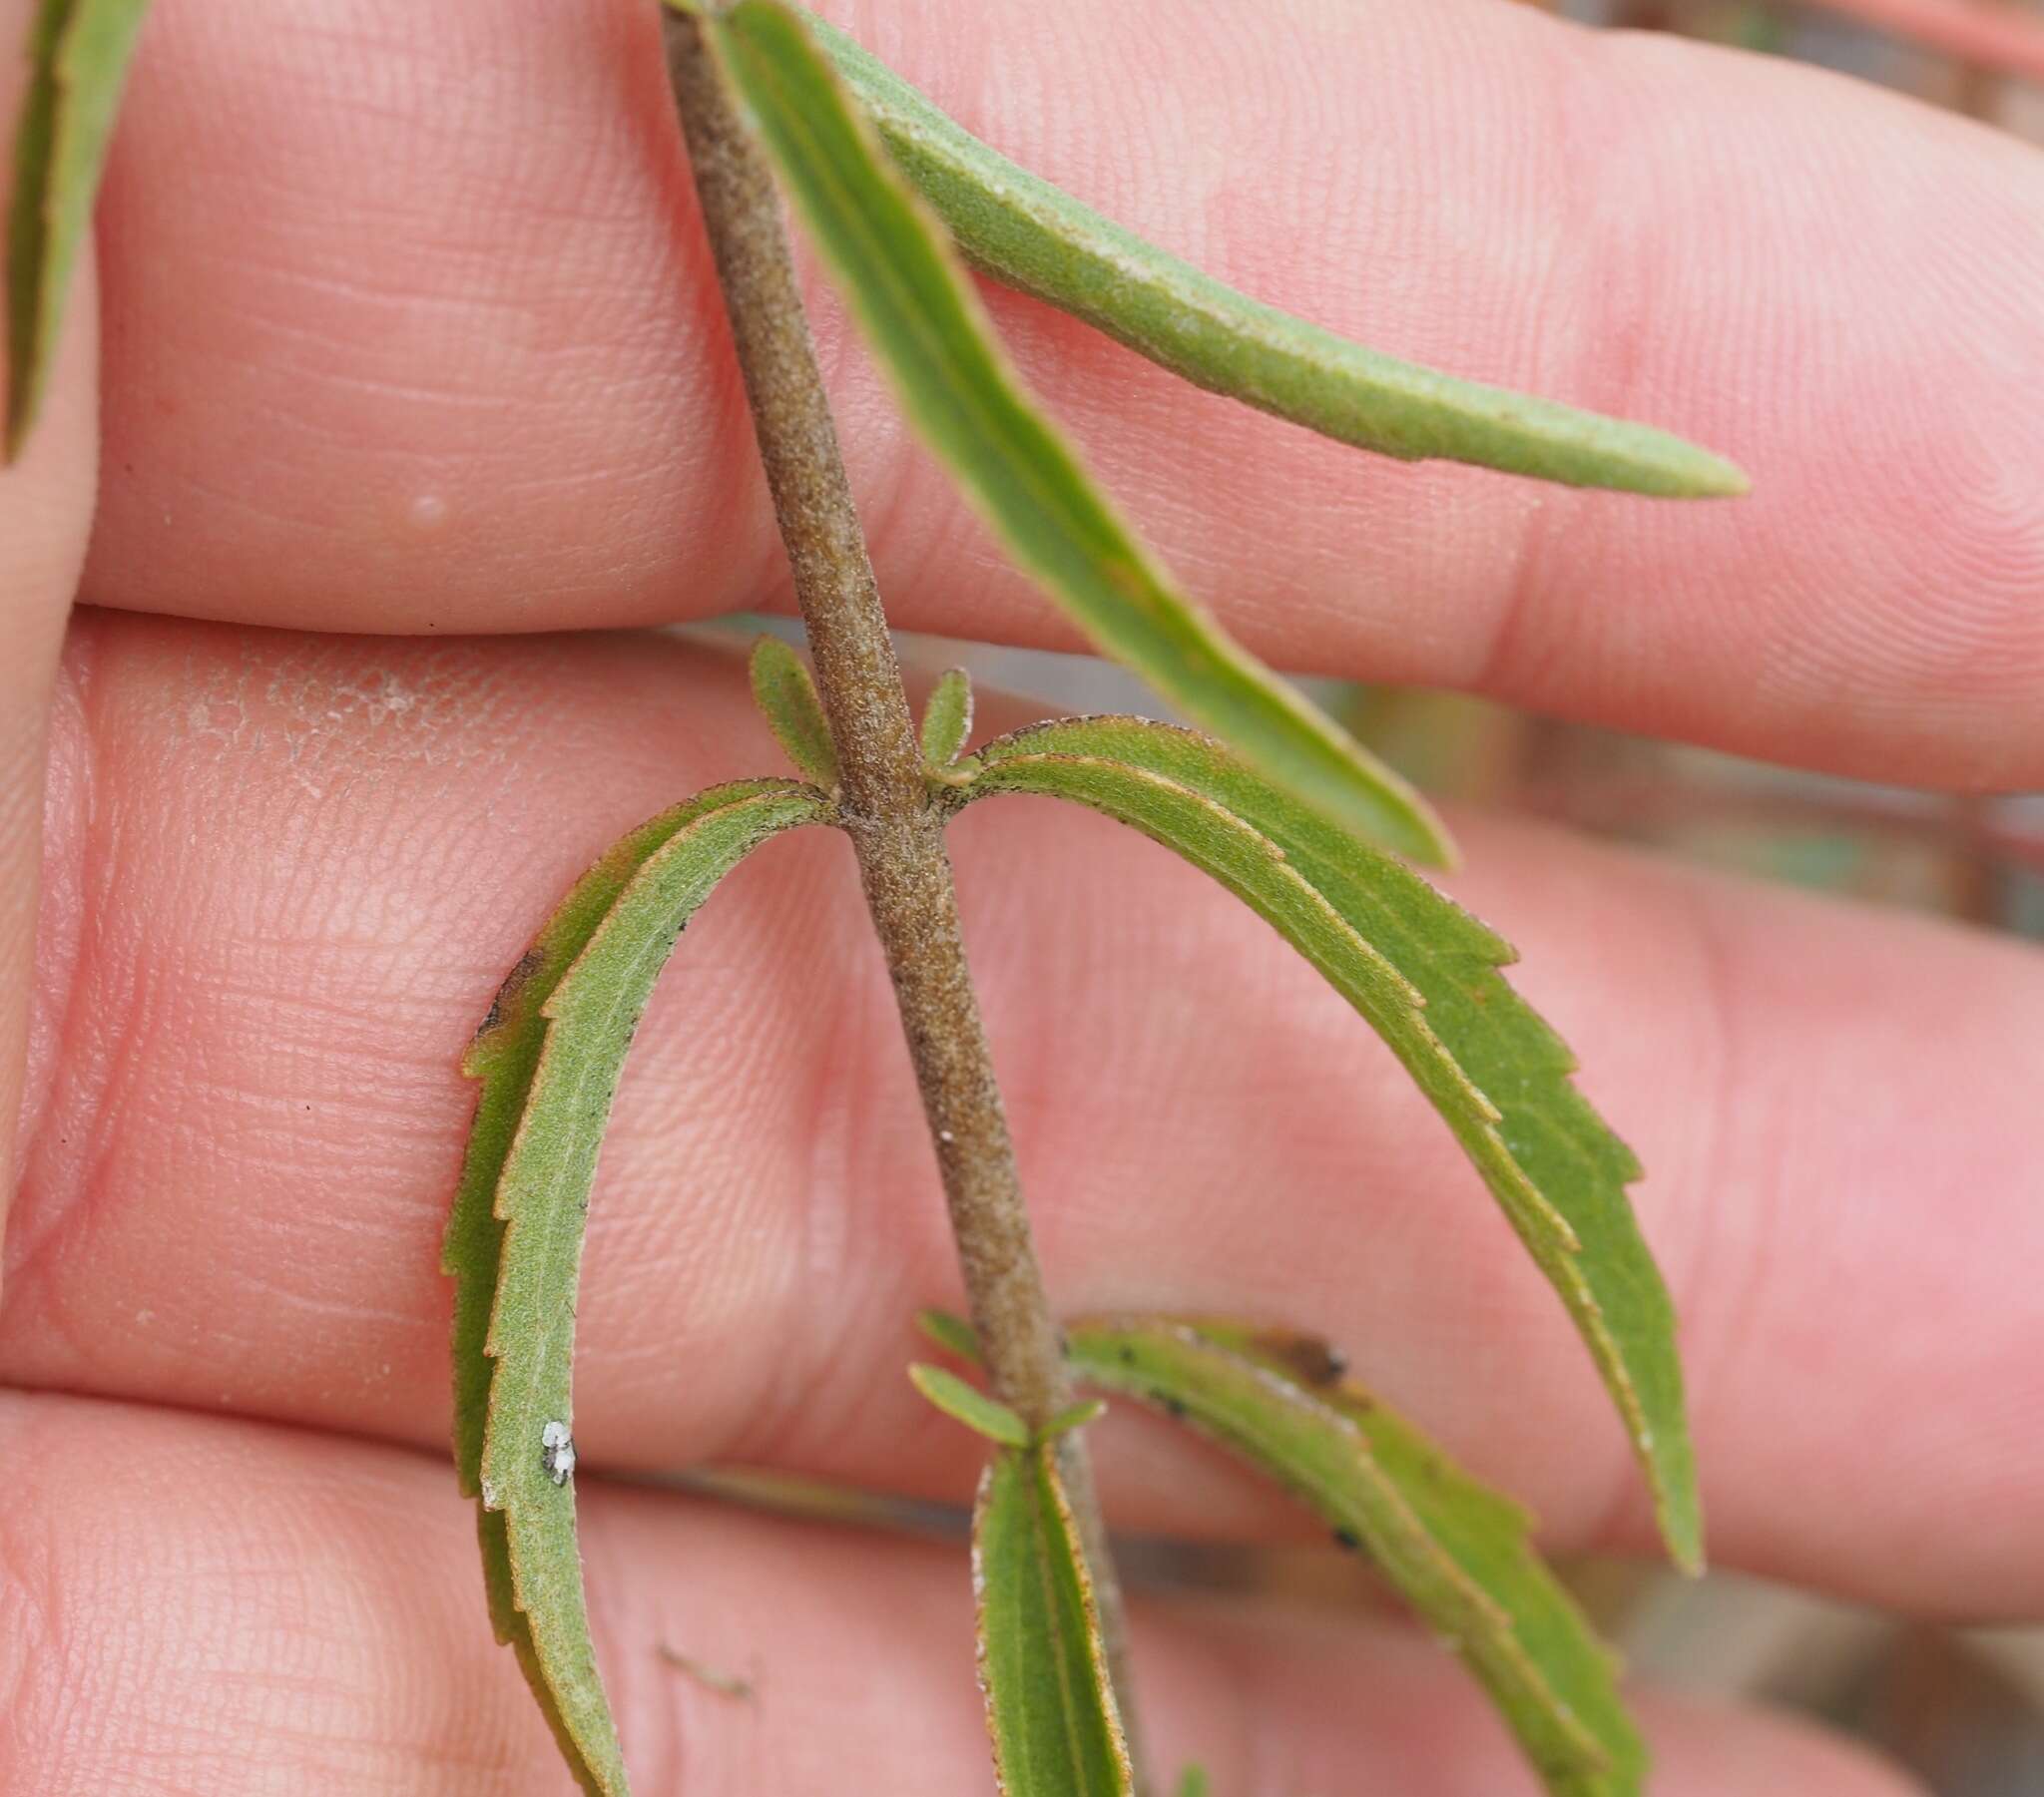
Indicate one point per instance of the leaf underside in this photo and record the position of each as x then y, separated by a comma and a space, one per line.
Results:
1042, 1663
947, 719
1456, 1552
79, 52
967, 1403
786, 697
1425, 975
548, 1057
929, 333
1029, 235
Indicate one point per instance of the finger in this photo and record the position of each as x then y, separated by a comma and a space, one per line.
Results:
323, 1632
45, 515
411, 332
308, 862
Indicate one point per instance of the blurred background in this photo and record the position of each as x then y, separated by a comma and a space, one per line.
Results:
1962, 1709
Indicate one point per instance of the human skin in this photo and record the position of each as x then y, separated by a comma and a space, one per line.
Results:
402, 349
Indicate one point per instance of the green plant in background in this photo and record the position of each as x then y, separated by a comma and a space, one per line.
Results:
1280, 805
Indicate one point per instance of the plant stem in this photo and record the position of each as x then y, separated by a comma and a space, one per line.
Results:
896, 831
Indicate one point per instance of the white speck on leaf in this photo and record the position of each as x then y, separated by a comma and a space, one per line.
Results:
556, 1452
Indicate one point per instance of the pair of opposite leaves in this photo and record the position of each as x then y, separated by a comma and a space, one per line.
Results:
1457, 1553
1423, 972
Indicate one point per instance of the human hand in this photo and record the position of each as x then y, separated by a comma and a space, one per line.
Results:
405, 329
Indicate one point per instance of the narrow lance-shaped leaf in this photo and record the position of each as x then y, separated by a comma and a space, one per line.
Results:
950, 1332
1028, 233
547, 1056
786, 697
1456, 1552
503, 1057
988, 1416
1425, 975
969, 1405
947, 719
79, 52
1042, 1665
929, 331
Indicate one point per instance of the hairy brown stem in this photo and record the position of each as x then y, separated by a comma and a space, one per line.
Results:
895, 828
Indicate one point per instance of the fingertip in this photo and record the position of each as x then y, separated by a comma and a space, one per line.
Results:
46, 505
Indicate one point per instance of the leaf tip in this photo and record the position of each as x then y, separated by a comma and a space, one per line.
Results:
1717, 477
1373, 800
1417, 832
1088, 1410
1682, 1528
1678, 1506
951, 1332
20, 420
30, 350
1441, 851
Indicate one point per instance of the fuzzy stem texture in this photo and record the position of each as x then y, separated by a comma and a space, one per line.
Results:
896, 830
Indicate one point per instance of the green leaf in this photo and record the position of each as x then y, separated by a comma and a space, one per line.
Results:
1049, 1704
1194, 1783
79, 52
547, 1056
1087, 1410
1029, 235
1425, 975
1457, 1551
969, 1405
929, 331
952, 1333
1282, 1401
784, 693
947, 719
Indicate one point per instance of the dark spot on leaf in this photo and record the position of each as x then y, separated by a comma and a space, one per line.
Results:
1310, 1359
1125, 1355
507, 994
1175, 1406
1347, 1540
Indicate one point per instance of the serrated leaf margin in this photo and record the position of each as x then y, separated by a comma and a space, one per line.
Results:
507, 1056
